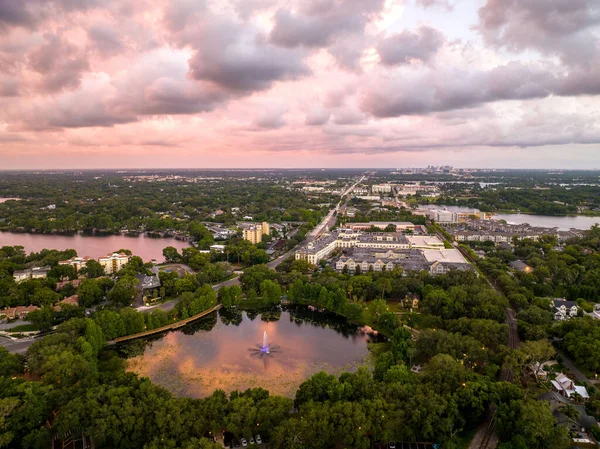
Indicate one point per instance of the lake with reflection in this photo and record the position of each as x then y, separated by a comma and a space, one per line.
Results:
219, 352
563, 223
94, 246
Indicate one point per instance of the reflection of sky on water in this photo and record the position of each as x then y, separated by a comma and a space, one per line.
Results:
196, 365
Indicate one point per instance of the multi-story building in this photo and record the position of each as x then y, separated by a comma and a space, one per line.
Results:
322, 248
31, 273
112, 263
381, 188
255, 232
398, 225
443, 216
77, 262
407, 260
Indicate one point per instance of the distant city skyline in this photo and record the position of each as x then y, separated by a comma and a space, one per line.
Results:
299, 84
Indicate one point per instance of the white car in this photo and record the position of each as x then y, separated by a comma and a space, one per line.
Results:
251, 440
258, 439
244, 442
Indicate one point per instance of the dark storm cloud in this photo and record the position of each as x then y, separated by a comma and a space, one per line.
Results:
557, 27
60, 62
15, 13
404, 47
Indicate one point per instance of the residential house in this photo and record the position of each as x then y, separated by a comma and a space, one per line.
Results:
147, 284
62, 284
17, 312
566, 387
563, 309
519, 265
72, 300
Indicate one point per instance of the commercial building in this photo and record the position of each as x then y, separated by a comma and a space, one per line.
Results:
31, 273
443, 216
77, 262
255, 232
112, 263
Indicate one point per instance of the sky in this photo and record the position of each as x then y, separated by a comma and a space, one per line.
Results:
299, 83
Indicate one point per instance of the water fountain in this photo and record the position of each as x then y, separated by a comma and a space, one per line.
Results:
265, 348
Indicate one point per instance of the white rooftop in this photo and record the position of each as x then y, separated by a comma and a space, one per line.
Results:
443, 255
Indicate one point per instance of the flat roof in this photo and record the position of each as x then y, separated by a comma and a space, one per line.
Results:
443, 255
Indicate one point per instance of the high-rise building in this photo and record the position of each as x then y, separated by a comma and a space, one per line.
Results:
255, 232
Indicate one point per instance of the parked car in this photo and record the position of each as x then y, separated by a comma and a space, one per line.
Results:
251, 440
244, 442
236, 443
392, 445
258, 439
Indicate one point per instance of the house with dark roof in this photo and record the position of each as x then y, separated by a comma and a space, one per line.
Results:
519, 265
563, 309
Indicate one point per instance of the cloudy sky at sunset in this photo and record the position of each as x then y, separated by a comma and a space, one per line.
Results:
299, 83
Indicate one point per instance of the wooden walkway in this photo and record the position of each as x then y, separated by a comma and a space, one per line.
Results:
168, 327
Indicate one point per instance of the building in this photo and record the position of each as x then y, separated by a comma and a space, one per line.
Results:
217, 248
31, 273
443, 216
112, 263
17, 312
255, 232
566, 387
77, 262
72, 300
519, 265
407, 260
398, 225
381, 188
62, 284
563, 309
146, 285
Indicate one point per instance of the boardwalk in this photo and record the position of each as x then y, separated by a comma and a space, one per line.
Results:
168, 327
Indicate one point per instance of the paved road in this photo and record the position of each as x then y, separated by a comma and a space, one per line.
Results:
571, 367
17, 346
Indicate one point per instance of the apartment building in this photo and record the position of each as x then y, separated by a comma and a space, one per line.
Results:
31, 273
112, 263
77, 262
255, 232
381, 188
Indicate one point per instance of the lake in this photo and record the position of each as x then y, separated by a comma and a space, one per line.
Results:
93, 245
547, 221
221, 352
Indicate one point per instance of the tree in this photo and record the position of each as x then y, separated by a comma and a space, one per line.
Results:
171, 254
93, 269
42, 318
89, 293
45, 297
123, 292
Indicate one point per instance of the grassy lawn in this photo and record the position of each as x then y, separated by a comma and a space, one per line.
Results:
378, 348
24, 328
